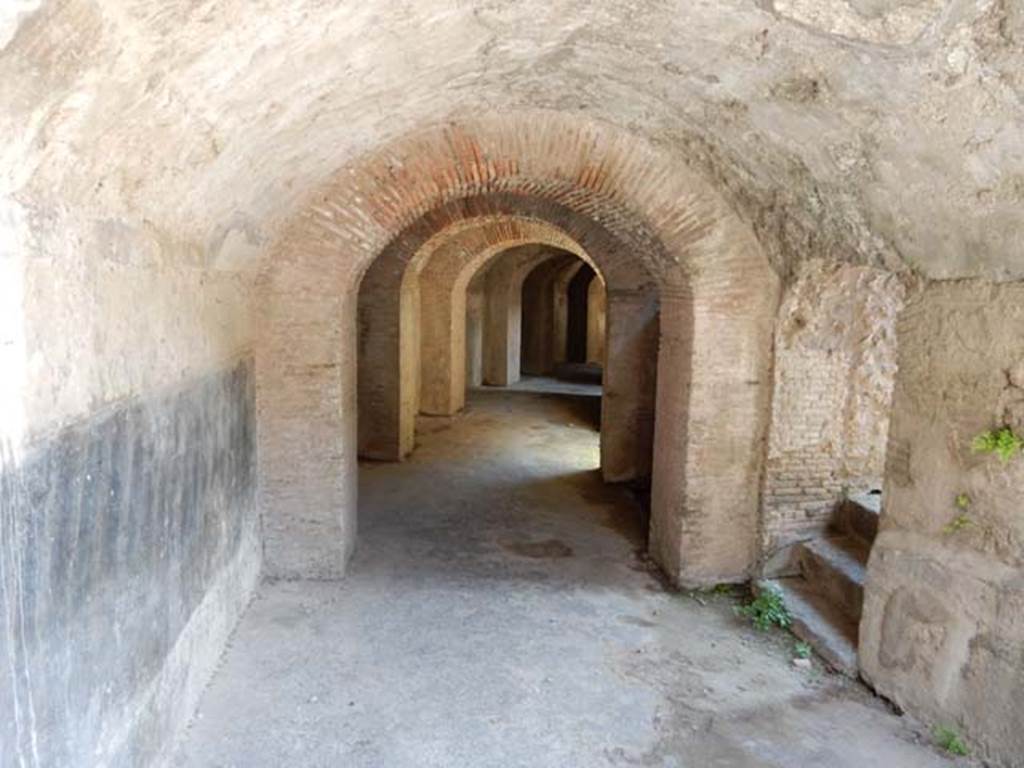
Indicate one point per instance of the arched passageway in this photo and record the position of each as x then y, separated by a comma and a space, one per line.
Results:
676, 264
496, 613
209, 218
543, 314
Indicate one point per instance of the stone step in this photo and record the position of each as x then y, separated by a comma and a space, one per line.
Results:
829, 631
858, 516
834, 567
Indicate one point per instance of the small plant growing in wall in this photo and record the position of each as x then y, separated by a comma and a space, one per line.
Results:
948, 739
958, 524
962, 520
767, 610
1003, 442
802, 650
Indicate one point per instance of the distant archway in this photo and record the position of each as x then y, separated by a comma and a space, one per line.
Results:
656, 229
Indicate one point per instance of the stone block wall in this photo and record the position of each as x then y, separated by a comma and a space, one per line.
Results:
942, 633
835, 359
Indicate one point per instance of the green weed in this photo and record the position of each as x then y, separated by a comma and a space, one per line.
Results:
767, 610
948, 739
958, 523
1003, 442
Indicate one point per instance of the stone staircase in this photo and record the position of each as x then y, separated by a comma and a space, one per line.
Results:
825, 599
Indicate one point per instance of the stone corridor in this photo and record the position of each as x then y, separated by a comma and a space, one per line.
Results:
497, 613
256, 259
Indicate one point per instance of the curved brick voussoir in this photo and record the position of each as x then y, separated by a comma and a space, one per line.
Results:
655, 230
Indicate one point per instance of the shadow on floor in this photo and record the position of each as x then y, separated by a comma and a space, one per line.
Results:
576, 402
496, 614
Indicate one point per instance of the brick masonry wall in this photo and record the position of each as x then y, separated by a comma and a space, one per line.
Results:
445, 266
835, 359
650, 223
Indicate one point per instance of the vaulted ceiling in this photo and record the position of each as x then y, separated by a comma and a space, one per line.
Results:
888, 133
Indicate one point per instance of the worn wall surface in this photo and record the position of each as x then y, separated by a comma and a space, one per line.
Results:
540, 322
834, 366
128, 511
475, 332
827, 124
560, 291
943, 627
156, 154
130, 547
94, 311
596, 310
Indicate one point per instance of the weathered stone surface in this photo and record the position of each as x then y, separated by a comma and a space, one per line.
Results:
943, 636
183, 183
878, 21
835, 363
545, 315
845, 167
596, 320
942, 632
130, 547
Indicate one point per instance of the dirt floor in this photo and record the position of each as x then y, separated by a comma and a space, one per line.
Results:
499, 612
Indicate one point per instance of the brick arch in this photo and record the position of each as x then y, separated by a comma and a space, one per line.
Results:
545, 315
641, 213
479, 232
389, 386
611, 254
389, 303
502, 289
443, 279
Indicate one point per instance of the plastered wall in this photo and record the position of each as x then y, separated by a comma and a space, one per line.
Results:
943, 627
128, 483
155, 151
